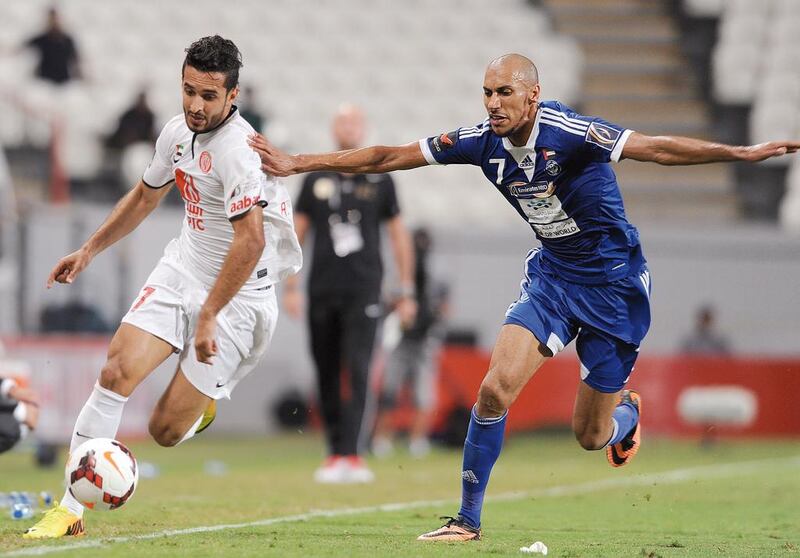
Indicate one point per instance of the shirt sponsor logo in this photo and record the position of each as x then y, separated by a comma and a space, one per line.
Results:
187, 187
602, 135
245, 203
538, 189
559, 229
543, 211
205, 162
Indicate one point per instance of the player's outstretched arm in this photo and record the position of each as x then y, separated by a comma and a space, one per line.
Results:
126, 216
675, 150
374, 159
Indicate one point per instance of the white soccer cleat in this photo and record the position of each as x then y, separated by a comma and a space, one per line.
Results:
382, 447
357, 470
334, 470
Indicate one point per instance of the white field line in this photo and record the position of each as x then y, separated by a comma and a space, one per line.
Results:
673, 476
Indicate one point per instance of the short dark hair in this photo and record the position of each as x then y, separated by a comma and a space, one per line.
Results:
215, 54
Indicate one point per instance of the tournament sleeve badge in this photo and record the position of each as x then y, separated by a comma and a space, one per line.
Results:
602, 135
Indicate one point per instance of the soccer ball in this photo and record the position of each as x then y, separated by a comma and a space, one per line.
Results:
102, 474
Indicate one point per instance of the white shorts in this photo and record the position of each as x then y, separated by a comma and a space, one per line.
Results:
168, 307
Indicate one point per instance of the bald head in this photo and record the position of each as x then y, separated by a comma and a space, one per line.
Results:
519, 68
348, 126
511, 96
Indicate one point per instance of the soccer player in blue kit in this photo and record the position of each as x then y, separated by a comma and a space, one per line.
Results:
589, 280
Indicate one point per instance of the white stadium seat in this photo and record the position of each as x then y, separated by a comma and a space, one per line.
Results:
415, 65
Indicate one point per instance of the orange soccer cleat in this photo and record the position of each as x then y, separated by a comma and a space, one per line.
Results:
624, 451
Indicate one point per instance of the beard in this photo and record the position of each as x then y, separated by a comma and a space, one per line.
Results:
209, 121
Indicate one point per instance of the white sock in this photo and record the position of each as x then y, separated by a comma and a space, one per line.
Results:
21, 414
192, 431
99, 418
614, 431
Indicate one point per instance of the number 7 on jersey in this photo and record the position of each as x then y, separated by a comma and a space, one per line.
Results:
501, 165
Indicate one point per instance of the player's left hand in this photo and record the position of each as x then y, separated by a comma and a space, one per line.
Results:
407, 311
762, 151
273, 160
205, 343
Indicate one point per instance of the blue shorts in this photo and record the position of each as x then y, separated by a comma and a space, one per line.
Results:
609, 321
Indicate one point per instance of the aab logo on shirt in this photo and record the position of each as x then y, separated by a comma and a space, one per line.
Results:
243, 204
602, 135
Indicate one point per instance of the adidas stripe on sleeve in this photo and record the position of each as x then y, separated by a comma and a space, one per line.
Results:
461, 146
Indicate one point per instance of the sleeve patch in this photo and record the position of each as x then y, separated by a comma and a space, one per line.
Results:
444, 141
244, 196
602, 136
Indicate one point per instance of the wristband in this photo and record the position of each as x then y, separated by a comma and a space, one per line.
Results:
406, 291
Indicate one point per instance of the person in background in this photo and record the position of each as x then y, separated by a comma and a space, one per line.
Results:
345, 212
414, 361
705, 339
248, 110
58, 55
19, 412
136, 124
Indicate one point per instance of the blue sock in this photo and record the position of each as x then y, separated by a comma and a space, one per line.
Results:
481, 450
625, 418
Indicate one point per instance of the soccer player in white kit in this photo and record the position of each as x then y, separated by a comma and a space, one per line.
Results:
211, 296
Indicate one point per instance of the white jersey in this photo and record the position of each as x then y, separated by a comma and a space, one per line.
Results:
220, 177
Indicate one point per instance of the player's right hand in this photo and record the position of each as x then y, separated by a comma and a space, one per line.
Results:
762, 151
69, 267
293, 302
273, 160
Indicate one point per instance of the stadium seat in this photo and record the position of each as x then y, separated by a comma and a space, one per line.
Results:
304, 59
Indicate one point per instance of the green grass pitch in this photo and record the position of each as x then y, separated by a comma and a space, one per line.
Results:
676, 499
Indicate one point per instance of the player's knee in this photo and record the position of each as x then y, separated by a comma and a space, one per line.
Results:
114, 377
493, 398
163, 433
591, 438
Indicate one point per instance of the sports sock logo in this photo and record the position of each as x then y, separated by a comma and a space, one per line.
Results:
469, 476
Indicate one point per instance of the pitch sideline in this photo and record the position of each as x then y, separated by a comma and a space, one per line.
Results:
673, 476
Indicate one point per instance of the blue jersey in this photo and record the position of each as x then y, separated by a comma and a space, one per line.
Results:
561, 183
